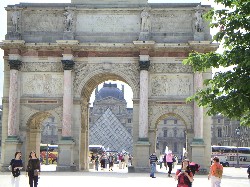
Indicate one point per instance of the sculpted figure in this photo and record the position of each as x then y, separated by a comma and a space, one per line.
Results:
68, 21
145, 21
198, 20
14, 19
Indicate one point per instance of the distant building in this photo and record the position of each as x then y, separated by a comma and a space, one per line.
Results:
224, 132
110, 121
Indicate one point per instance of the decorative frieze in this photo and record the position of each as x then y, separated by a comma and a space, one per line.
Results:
41, 67
170, 68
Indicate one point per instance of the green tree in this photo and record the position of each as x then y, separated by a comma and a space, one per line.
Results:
227, 93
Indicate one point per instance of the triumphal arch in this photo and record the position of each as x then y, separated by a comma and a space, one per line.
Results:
56, 54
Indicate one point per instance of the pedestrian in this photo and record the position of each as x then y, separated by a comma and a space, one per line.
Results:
161, 161
16, 165
215, 173
248, 171
169, 160
33, 169
184, 175
111, 161
96, 162
126, 157
152, 162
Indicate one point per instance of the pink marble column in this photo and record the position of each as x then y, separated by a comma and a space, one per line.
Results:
198, 111
143, 107
13, 123
67, 99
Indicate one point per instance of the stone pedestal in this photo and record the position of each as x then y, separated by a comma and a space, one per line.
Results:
11, 145
198, 154
68, 36
199, 36
65, 155
13, 36
144, 36
141, 153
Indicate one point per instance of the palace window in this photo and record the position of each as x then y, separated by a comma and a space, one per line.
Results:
165, 121
220, 133
165, 133
175, 133
175, 146
129, 120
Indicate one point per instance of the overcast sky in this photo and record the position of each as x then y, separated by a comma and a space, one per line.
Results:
3, 31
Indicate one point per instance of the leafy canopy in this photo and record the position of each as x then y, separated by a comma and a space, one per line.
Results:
227, 93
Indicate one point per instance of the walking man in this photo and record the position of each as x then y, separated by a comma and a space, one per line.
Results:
152, 162
215, 173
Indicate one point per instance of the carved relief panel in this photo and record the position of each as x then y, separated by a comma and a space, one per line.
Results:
42, 84
174, 85
178, 21
46, 21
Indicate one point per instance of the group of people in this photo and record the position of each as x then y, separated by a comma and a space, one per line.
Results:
185, 175
123, 160
32, 170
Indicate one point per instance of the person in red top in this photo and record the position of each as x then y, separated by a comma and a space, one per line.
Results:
215, 173
184, 175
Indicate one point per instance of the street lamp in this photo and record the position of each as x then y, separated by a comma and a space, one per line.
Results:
237, 132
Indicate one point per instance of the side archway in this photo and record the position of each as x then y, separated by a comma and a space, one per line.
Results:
33, 133
183, 114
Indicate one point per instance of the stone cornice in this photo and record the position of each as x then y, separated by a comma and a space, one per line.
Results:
200, 46
203, 46
10, 44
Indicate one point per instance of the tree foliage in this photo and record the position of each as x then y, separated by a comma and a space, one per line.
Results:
227, 93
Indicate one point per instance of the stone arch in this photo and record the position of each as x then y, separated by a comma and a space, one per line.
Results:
164, 116
31, 114
183, 112
33, 132
128, 73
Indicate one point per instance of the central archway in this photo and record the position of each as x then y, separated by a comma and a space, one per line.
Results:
89, 84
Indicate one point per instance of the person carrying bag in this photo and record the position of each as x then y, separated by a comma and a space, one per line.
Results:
33, 169
16, 165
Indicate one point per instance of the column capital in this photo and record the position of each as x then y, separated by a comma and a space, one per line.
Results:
15, 64
144, 65
68, 64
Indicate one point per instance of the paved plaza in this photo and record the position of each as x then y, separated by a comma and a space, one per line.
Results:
232, 177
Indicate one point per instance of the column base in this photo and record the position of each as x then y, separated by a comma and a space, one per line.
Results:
65, 168
10, 146
140, 165
65, 155
199, 156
